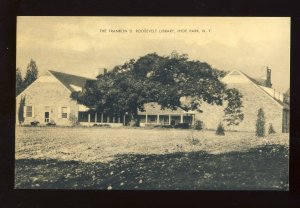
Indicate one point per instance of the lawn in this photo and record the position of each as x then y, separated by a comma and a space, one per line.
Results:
167, 159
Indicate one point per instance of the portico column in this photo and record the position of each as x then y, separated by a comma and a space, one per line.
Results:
108, 119
146, 118
95, 117
102, 118
193, 119
89, 118
181, 118
169, 119
113, 119
157, 119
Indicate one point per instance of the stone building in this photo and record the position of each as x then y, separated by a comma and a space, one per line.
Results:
48, 100
257, 93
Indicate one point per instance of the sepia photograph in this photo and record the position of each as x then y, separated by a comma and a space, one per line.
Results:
152, 103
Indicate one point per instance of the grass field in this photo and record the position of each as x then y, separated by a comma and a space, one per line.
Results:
126, 158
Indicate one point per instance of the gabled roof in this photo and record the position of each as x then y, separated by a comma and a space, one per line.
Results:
68, 79
260, 83
257, 81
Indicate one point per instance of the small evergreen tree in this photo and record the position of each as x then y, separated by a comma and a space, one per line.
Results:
31, 73
260, 123
220, 130
271, 129
198, 125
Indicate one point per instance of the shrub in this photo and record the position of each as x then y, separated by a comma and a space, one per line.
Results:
102, 125
51, 123
271, 129
34, 123
260, 123
220, 130
182, 125
198, 125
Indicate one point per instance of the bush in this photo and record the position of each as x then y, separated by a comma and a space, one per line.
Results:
102, 125
182, 125
260, 123
51, 123
220, 130
34, 123
271, 129
198, 125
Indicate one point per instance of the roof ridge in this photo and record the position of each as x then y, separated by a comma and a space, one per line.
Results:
70, 74
69, 79
259, 86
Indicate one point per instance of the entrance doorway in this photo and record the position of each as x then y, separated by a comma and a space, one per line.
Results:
47, 117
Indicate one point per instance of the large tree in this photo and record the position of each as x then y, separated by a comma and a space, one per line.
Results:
19, 82
162, 79
31, 73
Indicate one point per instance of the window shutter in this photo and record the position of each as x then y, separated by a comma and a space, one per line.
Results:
24, 111
59, 112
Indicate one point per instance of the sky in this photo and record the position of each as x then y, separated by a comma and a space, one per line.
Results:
82, 45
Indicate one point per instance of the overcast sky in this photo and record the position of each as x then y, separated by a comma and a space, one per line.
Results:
76, 45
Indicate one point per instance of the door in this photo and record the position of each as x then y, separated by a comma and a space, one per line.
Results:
47, 118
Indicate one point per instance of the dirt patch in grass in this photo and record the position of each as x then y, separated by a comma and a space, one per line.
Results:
259, 168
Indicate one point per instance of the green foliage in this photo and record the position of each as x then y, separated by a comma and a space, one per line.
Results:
34, 123
31, 76
233, 112
271, 129
260, 123
162, 79
31, 73
220, 130
182, 126
199, 125
19, 82
220, 73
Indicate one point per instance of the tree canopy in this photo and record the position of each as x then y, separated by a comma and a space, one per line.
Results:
162, 79
31, 73
31, 76
19, 82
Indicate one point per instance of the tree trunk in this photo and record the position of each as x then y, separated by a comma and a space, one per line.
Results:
134, 119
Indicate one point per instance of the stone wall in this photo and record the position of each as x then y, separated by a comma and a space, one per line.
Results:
253, 99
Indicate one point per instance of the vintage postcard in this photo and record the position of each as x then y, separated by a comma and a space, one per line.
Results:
152, 103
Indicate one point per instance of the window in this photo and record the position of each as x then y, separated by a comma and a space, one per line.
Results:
28, 111
64, 112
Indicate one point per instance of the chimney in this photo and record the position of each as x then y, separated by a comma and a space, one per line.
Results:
268, 80
100, 71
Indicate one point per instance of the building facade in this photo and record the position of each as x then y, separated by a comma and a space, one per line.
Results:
47, 100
